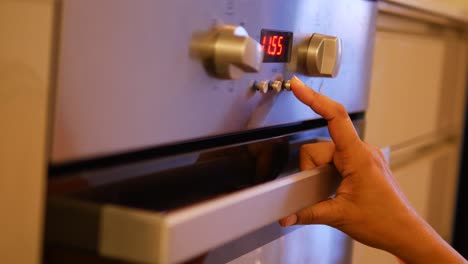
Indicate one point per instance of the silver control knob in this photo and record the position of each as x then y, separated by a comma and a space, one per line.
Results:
276, 86
320, 56
227, 51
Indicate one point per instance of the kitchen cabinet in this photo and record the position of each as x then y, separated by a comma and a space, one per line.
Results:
413, 93
25, 54
416, 107
429, 181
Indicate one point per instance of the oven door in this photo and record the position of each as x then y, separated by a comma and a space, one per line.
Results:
216, 205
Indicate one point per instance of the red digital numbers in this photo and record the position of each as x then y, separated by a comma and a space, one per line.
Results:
273, 45
276, 45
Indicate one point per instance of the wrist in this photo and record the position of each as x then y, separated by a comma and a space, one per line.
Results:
419, 243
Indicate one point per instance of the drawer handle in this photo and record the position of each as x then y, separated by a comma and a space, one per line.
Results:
172, 237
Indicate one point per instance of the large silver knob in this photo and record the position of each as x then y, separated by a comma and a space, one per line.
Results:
320, 56
227, 52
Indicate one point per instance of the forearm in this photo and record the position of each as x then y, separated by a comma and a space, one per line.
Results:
419, 243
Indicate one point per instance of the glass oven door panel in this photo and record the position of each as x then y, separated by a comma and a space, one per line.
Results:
174, 208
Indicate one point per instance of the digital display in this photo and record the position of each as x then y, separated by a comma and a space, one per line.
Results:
276, 45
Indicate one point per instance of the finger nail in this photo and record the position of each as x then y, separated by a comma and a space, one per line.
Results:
296, 80
290, 220
296, 83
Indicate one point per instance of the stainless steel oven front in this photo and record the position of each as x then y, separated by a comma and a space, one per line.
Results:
176, 135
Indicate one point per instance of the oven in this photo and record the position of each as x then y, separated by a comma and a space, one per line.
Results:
175, 134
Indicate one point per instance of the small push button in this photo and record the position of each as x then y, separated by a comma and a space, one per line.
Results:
287, 85
262, 87
276, 86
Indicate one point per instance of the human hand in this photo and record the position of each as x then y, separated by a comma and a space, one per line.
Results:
368, 206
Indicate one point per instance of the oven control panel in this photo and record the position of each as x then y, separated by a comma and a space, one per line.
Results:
227, 52
150, 73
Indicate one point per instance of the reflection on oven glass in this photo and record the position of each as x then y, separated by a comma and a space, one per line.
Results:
264, 159
215, 172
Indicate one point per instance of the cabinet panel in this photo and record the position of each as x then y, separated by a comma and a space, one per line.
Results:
26, 40
405, 88
418, 82
363, 254
429, 182
417, 98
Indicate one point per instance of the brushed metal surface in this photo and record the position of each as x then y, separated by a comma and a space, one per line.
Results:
315, 244
227, 51
126, 81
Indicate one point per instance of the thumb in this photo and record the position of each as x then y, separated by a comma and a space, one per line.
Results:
326, 213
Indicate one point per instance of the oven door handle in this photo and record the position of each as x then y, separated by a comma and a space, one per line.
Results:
172, 237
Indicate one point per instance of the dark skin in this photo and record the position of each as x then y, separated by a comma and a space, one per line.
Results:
369, 206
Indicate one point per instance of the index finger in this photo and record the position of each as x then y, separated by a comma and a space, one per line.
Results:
339, 124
